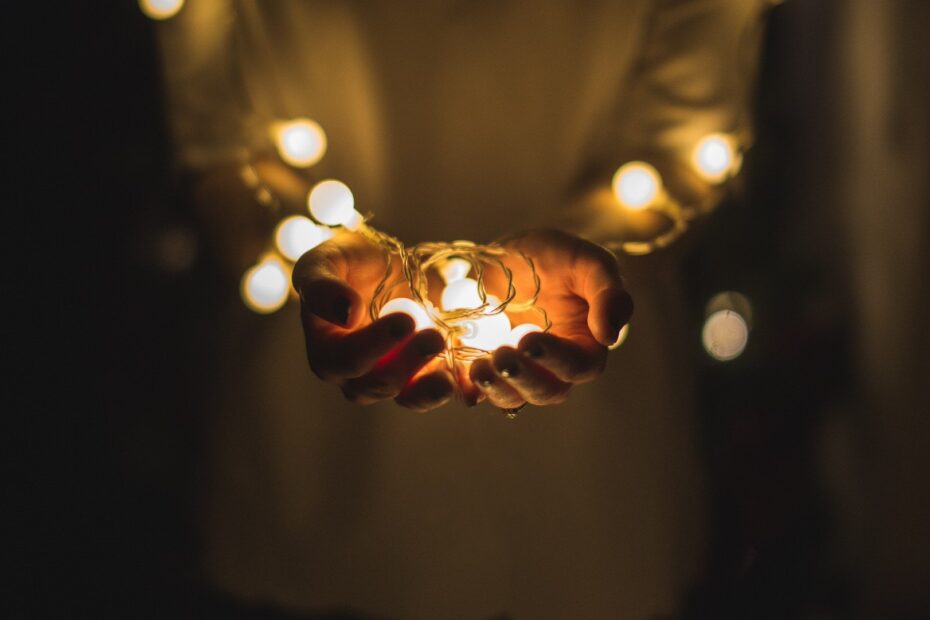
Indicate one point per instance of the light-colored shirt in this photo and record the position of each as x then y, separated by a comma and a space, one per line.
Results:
450, 120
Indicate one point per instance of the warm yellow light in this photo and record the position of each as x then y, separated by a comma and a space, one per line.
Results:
621, 337
725, 335
265, 286
461, 294
454, 269
407, 306
636, 185
331, 203
518, 332
160, 9
300, 142
713, 157
297, 234
487, 332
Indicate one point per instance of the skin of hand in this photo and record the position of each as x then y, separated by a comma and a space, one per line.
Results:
587, 304
378, 360
370, 360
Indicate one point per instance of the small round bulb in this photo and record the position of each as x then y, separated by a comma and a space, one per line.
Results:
409, 307
331, 203
487, 333
636, 185
461, 294
297, 235
714, 158
265, 286
300, 142
725, 335
454, 269
160, 9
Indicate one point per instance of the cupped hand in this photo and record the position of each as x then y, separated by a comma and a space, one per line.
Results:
370, 360
583, 294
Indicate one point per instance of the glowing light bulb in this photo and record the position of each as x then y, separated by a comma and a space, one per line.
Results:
725, 335
636, 185
713, 157
462, 294
265, 286
419, 314
300, 142
488, 332
621, 337
160, 9
331, 202
454, 269
297, 234
518, 332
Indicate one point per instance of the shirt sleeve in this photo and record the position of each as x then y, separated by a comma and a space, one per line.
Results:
694, 76
204, 97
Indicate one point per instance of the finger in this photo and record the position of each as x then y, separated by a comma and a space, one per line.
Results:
494, 387
427, 391
597, 280
471, 394
320, 279
336, 353
534, 383
393, 371
578, 360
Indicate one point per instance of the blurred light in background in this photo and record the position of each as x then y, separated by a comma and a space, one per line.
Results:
714, 157
730, 300
297, 234
300, 142
331, 202
160, 9
725, 335
636, 185
265, 286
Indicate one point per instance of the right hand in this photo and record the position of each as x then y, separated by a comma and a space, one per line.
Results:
370, 360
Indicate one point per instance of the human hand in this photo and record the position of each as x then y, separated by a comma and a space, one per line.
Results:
370, 360
584, 297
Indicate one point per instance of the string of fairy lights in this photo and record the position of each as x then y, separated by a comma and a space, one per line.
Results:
472, 320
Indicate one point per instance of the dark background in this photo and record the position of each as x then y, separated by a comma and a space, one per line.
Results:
815, 440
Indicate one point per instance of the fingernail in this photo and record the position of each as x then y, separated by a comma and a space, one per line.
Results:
535, 350
341, 310
507, 364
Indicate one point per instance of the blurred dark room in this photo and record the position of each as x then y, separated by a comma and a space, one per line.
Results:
140, 475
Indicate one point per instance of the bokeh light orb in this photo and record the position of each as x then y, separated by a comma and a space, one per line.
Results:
725, 335
297, 235
331, 202
300, 142
265, 287
161, 9
636, 185
714, 157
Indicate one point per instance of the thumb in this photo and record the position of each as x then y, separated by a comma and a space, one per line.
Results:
608, 312
323, 292
609, 304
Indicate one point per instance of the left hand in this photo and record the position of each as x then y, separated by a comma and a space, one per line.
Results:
583, 294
